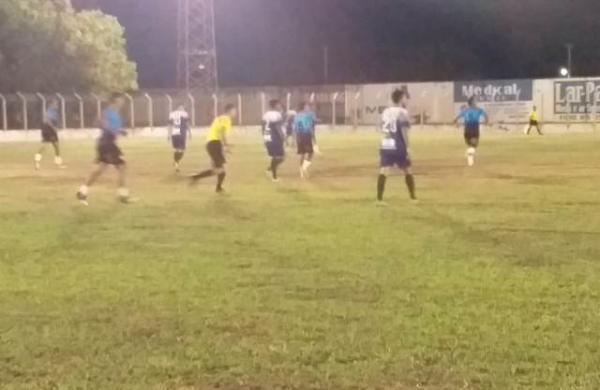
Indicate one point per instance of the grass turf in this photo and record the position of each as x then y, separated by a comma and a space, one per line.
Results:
492, 281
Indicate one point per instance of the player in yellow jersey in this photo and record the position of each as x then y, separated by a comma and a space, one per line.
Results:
217, 145
533, 121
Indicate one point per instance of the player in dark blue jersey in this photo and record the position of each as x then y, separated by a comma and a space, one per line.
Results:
304, 127
274, 138
394, 147
50, 135
179, 129
108, 152
472, 121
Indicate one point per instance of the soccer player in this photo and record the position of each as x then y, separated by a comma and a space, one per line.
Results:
108, 152
304, 126
533, 121
273, 137
472, 119
50, 135
289, 127
178, 133
394, 149
217, 146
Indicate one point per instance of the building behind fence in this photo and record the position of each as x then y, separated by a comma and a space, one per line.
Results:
507, 101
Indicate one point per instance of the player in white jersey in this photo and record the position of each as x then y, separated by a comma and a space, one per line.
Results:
179, 129
394, 148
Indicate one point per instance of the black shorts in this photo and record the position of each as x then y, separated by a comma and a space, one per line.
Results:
275, 149
49, 134
109, 153
533, 123
216, 153
179, 141
304, 142
472, 134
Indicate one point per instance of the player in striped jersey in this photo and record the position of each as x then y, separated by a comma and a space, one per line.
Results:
179, 129
394, 148
273, 137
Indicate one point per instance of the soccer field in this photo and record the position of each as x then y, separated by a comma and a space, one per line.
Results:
491, 281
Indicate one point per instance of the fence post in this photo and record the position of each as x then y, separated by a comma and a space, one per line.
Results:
150, 111
334, 109
81, 113
63, 110
263, 103
215, 99
24, 106
355, 113
44, 105
131, 111
312, 98
170, 105
240, 109
192, 108
288, 102
4, 118
98, 106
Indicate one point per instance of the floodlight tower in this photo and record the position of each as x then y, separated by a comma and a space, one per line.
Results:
196, 47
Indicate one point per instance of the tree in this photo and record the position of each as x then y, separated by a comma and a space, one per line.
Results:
47, 46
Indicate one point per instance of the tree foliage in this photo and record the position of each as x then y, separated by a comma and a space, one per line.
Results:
47, 46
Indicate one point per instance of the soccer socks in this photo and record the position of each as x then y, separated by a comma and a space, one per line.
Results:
304, 168
220, 180
471, 156
275, 162
381, 186
58, 160
38, 160
177, 156
410, 184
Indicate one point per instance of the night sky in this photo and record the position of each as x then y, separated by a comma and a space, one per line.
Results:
280, 42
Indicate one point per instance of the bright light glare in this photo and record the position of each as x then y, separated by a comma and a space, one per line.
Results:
564, 72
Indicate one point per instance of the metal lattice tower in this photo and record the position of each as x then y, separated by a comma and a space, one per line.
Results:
196, 48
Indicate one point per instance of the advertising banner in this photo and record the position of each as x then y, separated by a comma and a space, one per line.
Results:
506, 101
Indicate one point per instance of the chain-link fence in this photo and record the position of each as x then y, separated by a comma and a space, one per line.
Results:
148, 109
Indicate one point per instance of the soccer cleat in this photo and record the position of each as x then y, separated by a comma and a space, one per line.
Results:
82, 198
381, 203
176, 167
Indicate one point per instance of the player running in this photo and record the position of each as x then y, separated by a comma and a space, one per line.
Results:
217, 146
179, 129
533, 121
108, 152
394, 149
472, 119
304, 126
273, 137
50, 135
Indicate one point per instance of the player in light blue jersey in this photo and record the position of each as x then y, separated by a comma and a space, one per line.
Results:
50, 135
108, 152
471, 117
304, 127
394, 147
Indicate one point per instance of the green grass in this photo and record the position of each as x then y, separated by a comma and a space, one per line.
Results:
492, 281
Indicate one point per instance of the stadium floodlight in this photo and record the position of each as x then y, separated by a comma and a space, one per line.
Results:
196, 47
564, 72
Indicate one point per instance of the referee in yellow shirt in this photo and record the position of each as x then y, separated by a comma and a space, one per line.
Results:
533, 121
216, 146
